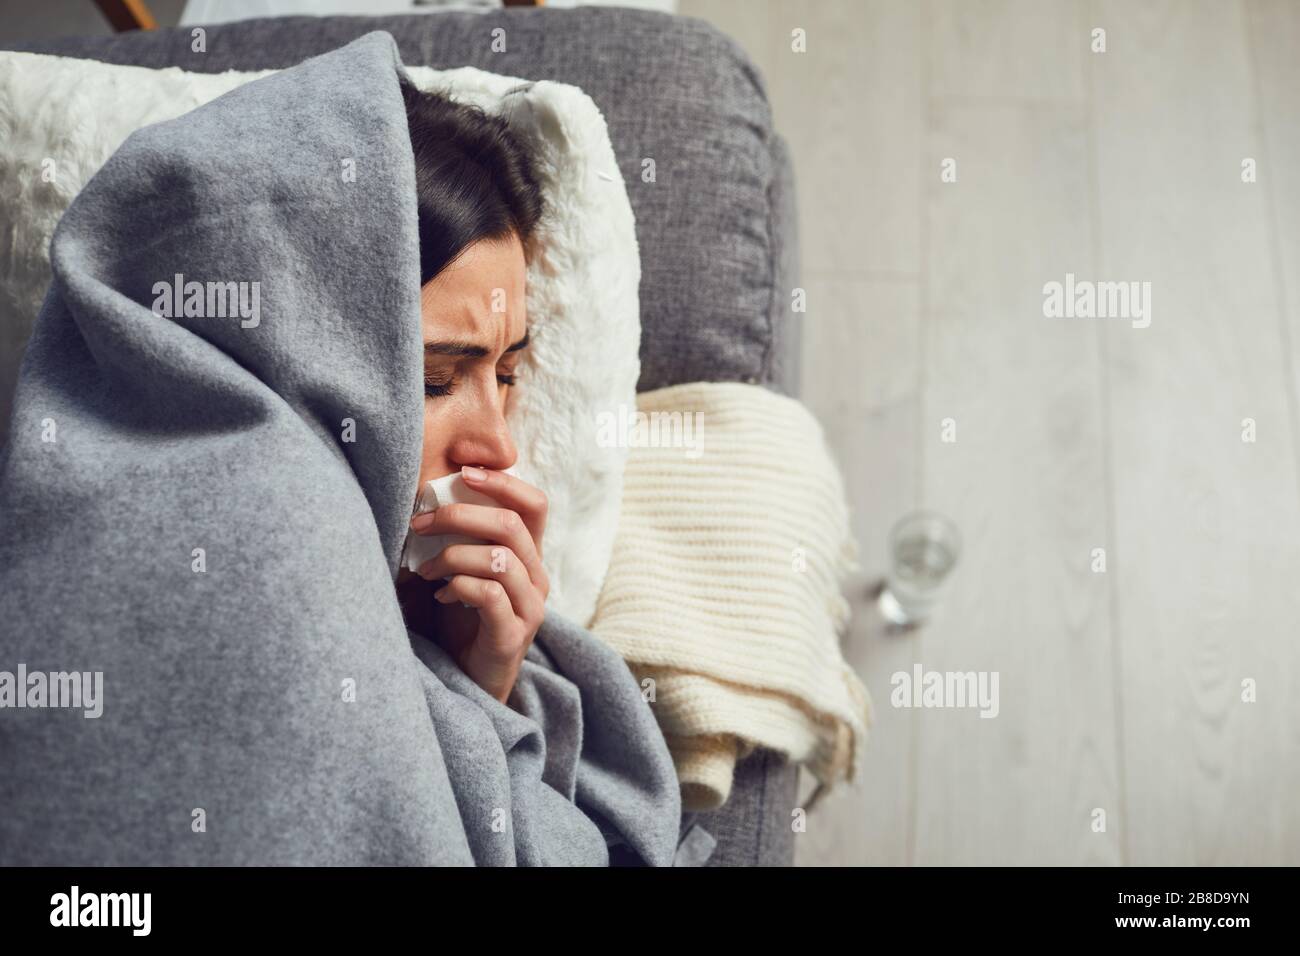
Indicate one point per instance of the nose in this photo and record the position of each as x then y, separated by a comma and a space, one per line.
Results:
484, 439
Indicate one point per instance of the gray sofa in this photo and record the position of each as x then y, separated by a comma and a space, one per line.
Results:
715, 224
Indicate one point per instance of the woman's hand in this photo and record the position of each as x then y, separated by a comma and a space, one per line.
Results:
502, 582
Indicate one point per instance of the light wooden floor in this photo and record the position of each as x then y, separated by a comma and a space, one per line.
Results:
1120, 691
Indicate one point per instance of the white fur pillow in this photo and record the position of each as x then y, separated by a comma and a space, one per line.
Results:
61, 118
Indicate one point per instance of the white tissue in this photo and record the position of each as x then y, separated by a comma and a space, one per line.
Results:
420, 548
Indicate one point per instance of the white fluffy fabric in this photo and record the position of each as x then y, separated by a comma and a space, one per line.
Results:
61, 118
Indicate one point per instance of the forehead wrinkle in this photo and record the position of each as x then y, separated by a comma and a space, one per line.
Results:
482, 331
458, 302
450, 311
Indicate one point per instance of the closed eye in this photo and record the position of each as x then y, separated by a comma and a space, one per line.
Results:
437, 387
441, 389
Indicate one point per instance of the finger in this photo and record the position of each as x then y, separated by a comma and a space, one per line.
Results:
492, 562
492, 602
487, 523
510, 492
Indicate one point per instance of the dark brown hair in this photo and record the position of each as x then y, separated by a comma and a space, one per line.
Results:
474, 178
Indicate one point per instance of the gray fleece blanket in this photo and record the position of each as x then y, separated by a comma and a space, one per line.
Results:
202, 658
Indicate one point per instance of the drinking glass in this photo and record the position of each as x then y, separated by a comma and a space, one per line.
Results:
923, 549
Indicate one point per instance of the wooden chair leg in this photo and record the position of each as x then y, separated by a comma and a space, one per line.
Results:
127, 15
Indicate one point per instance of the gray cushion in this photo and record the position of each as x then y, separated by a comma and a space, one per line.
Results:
715, 266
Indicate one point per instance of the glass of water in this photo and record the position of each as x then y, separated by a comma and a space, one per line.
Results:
923, 550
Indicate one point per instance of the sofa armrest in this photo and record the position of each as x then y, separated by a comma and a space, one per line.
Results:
753, 827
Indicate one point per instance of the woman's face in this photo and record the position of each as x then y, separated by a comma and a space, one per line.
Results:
475, 329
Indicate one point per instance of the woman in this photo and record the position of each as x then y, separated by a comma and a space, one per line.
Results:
207, 517
479, 203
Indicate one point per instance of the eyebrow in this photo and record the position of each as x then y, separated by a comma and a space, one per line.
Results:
468, 349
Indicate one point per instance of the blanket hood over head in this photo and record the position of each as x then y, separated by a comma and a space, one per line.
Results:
201, 517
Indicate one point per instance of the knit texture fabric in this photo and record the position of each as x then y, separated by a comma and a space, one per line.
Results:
724, 585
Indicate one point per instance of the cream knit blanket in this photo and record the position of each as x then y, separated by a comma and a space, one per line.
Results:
724, 585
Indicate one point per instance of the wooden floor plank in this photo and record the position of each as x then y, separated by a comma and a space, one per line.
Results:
868, 409
1025, 483
850, 108
1016, 49
1206, 557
